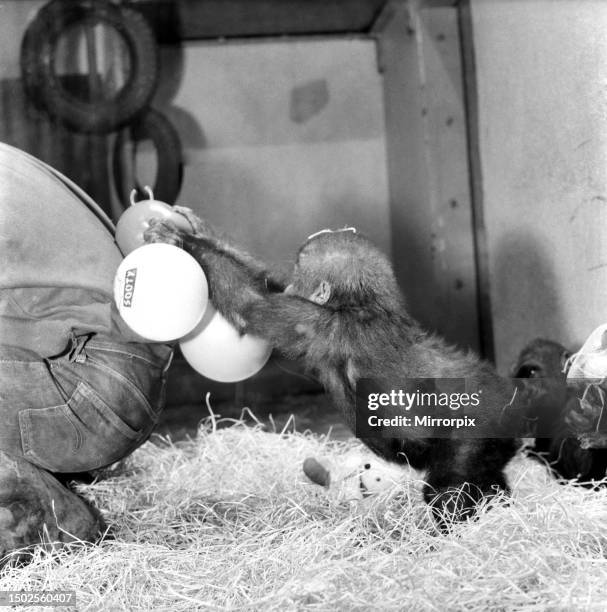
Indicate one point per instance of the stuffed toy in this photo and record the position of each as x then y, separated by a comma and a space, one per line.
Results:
356, 477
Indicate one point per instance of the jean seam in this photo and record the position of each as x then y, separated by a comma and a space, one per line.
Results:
25, 437
90, 395
67, 413
117, 375
19, 361
99, 346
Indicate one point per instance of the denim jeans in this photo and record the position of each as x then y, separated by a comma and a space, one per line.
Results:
58, 259
84, 409
78, 390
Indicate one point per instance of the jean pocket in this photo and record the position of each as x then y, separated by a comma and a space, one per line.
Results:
83, 434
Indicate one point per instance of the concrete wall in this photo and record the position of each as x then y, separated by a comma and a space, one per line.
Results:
282, 138
542, 87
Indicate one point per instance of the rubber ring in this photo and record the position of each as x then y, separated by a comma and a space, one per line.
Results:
156, 127
46, 88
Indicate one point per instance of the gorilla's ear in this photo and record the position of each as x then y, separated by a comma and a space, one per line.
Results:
322, 293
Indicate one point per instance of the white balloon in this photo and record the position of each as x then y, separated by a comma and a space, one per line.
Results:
216, 349
161, 292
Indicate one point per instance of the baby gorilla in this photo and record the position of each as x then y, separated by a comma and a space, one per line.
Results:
557, 415
344, 316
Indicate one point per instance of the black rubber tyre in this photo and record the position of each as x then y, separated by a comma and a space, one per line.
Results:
44, 86
156, 127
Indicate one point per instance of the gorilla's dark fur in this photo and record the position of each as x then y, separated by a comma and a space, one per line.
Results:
556, 413
344, 316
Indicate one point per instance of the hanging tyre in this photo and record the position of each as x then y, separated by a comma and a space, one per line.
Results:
92, 108
155, 127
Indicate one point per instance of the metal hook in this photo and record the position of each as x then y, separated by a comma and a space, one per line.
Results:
134, 193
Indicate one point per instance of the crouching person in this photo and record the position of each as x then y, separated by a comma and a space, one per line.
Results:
78, 390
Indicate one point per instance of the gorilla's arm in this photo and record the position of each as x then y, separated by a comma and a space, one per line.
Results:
243, 294
219, 243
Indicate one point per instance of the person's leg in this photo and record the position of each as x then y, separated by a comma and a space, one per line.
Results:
110, 394
64, 413
34, 506
80, 411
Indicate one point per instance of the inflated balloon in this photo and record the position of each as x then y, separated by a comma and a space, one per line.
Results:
161, 292
136, 219
216, 349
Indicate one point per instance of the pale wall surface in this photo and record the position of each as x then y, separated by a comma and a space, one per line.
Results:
14, 17
282, 138
542, 86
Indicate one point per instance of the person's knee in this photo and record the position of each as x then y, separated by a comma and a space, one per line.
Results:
35, 508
